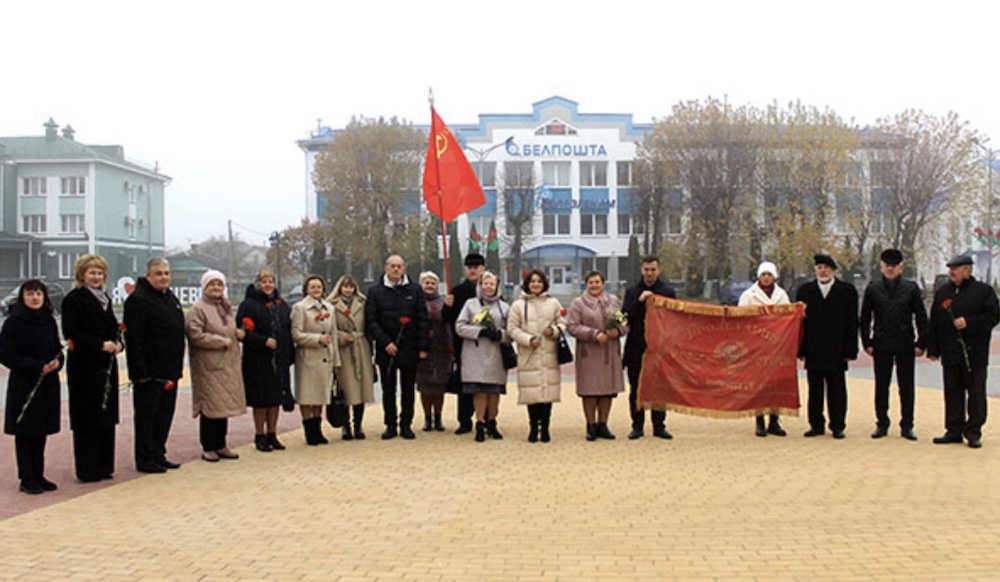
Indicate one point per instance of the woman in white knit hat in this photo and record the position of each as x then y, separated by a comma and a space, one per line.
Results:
766, 292
216, 376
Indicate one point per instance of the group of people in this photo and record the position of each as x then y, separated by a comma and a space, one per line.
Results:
894, 329
409, 334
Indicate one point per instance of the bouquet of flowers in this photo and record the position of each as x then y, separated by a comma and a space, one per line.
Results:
484, 318
616, 320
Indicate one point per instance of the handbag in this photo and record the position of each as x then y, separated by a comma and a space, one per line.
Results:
509, 356
564, 354
336, 411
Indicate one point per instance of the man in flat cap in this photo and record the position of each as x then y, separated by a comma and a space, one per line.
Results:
475, 264
829, 341
963, 316
898, 337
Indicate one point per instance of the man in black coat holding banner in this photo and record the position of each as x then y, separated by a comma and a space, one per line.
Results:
634, 308
829, 341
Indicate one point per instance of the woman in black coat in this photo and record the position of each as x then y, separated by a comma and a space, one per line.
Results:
268, 353
95, 339
30, 348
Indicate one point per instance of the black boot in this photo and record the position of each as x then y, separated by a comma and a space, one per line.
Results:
310, 433
318, 431
774, 427
480, 431
345, 433
591, 432
491, 429
533, 421
390, 432
604, 432
761, 430
272, 439
546, 416
359, 417
260, 441
428, 424
438, 426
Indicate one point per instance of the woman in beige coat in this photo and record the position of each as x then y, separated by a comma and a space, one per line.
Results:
598, 335
355, 378
216, 376
534, 323
313, 328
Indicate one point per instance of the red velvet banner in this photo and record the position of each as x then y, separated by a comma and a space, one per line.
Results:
723, 362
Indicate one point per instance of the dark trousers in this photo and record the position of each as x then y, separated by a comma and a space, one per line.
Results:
834, 384
407, 382
957, 382
904, 363
30, 452
465, 410
658, 417
94, 452
153, 413
212, 432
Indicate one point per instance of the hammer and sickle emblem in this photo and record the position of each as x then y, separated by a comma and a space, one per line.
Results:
440, 144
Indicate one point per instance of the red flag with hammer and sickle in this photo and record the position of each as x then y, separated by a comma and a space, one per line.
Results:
450, 184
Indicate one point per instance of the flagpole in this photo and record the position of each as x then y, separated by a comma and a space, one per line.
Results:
440, 197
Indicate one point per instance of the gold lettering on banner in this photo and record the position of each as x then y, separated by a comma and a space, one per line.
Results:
441, 144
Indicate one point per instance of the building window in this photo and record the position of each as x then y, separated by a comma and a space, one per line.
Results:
487, 173
555, 223
72, 223
30, 267
624, 173
33, 223
73, 186
593, 173
555, 173
631, 224
593, 224
35, 187
555, 127
66, 263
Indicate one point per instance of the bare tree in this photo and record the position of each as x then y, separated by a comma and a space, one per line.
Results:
931, 162
516, 193
370, 176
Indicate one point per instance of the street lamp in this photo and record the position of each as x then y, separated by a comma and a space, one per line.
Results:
990, 157
275, 239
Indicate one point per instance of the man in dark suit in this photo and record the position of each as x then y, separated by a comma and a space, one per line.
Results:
475, 264
396, 320
154, 334
829, 341
963, 316
634, 307
898, 309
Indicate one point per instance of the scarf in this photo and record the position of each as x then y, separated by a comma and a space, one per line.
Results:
100, 295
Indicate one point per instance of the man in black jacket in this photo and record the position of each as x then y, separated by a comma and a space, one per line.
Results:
154, 336
829, 341
898, 308
475, 264
634, 308
396, 319
963, 316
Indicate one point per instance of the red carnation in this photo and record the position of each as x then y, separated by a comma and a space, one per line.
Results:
268, 305
946, 304
404, 320
248, 324
69, 343
122, 328
347, 312
562, 312
170, 385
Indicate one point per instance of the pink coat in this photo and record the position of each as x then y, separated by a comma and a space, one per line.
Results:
598, 368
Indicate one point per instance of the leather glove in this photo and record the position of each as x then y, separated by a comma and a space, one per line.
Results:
493, 334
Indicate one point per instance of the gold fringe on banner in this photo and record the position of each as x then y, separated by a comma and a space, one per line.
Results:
724, 414
723, 310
